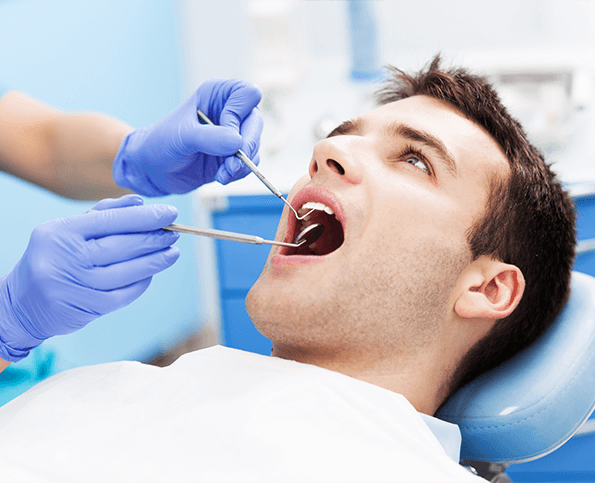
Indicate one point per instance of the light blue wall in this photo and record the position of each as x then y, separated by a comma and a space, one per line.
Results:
121, 58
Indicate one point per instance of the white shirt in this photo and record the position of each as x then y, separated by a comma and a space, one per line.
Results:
220, 415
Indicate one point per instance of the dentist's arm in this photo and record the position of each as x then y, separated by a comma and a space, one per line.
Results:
80, 155
79, 268
70, 154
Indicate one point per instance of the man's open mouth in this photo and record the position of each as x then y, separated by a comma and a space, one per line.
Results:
332, 237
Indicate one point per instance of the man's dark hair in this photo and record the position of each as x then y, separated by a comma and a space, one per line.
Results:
529, 219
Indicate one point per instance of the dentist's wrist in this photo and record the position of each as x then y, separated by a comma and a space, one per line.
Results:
15, 341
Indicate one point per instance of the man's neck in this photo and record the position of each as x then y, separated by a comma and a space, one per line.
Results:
417, 379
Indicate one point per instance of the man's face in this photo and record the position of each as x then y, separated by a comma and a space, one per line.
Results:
405, 182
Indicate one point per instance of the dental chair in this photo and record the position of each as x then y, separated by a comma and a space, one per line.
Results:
531, 405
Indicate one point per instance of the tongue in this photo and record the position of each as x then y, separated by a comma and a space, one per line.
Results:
331, 239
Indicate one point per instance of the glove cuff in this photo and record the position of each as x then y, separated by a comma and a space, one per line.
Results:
11, 328
12, 355
127, 168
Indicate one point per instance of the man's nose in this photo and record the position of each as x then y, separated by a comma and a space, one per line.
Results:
336, 156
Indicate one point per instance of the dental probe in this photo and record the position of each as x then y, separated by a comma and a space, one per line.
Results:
248, 162
228, 235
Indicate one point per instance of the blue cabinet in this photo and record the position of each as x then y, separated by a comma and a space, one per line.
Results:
239, 265
574, 461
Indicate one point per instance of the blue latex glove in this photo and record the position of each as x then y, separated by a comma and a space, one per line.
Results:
178, 153
79, 268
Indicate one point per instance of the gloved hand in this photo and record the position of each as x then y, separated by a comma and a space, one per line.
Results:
178, 153
79, 268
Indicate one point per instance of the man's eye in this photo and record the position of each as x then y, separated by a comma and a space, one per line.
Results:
418, 163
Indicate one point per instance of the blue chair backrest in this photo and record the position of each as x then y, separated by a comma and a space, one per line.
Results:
536, 401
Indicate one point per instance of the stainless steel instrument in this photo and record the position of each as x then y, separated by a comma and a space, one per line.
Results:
248, 162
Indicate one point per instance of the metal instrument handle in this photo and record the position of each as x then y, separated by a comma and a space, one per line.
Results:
246, 160
227, 235
224, 235
212, 233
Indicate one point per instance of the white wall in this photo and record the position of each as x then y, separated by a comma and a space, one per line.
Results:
479, 34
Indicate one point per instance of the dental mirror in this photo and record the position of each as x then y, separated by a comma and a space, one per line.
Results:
310, 234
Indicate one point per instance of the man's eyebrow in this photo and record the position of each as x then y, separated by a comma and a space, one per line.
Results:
354, 126
398, 129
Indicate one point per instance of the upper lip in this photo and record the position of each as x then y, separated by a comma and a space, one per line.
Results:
316, 194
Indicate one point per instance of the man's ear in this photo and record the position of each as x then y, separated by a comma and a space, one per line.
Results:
489, 289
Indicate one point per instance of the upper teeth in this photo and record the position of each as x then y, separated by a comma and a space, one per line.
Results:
311, 205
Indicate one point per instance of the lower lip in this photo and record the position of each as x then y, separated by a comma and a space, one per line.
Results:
284, 260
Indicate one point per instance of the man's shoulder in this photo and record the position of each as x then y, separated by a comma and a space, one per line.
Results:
286, 420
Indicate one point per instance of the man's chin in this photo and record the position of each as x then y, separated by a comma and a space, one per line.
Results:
260, 305
277, 309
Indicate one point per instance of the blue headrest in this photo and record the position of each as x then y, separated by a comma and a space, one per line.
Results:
532, 404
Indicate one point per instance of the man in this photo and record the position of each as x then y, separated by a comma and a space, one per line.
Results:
425, 201
445, 249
